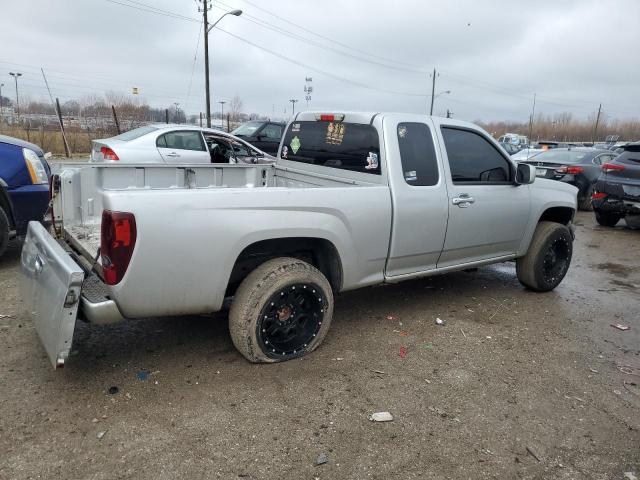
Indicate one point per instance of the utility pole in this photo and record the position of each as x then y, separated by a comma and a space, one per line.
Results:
533, 113
449, 114
433, 91
1, 111
222, 102
293, 106
205, 8
15, 77
595, 129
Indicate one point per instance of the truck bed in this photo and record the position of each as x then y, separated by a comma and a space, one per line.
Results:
77, 207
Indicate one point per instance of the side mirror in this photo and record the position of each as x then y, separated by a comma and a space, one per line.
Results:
259, 138
525, 174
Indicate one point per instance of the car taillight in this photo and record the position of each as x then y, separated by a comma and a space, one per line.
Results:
598, 195
117, 241
570, 170
612, 167
108, 154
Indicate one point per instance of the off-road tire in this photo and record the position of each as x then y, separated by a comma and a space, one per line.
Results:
538, 269
585, 203
607, 219
254, 296
4, 232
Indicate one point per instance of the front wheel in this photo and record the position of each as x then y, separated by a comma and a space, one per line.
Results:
548, 258
4, 231
607, 219
282, 310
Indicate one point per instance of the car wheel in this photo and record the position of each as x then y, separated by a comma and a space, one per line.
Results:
607, 219
585, 202
548, 258
4, 231
281, 310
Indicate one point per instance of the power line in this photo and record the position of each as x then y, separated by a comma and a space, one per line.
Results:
250, 18
324, 37
193, 67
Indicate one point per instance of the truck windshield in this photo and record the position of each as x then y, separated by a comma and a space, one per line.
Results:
247, 129
348, 146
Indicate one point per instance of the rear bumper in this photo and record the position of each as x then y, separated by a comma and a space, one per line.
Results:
612, 204
95, 304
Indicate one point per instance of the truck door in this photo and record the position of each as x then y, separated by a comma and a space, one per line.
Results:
183, 146
419, 195
488, 212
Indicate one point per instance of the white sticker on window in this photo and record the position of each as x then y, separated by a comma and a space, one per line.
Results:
410, 176
372, 161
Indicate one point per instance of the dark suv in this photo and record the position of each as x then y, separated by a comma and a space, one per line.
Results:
263, 135
617, 192
24, 187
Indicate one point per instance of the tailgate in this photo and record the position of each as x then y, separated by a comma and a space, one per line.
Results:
50, 287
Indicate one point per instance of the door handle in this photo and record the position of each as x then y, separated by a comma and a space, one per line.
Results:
463, 200
173, 154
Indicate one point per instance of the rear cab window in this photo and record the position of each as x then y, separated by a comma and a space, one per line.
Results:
343, 145
417, 154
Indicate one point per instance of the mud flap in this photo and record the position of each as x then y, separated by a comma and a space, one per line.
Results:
50, 286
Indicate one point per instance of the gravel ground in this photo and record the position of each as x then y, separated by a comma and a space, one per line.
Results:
514, 385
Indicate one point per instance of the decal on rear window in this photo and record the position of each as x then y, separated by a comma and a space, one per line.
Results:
335, 133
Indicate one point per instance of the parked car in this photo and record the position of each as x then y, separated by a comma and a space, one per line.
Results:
550, 144
526, 154
263, 135
520, 141
24, 187
579, 167
510, 148
174, 144
616, 194
354, 199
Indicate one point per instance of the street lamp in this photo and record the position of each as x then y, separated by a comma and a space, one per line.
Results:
15, 77
207, 29
446, 92
222, 102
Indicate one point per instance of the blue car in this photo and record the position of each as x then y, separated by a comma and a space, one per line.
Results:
24, 187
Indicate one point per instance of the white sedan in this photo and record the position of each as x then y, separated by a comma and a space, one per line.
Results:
176, 144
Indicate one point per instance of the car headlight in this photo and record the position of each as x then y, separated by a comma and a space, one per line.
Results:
37, 172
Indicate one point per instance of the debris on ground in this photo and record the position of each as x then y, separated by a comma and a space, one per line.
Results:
533, 453
403, 351
440, 321
95, 420
113, 390
427, 346
381, 417
630, 476
322, 459
7, 316
620, 326
142, 375
101, 434
379, 372
390, 317
463, 334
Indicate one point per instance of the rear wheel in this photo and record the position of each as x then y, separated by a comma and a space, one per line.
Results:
585, 201
282, 310
4, 231
548, 258
607, 219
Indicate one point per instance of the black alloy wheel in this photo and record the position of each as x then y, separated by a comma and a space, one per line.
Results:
290, 320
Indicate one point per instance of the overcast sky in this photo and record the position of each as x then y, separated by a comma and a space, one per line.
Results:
371, 55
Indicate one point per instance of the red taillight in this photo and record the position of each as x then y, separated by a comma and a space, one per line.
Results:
108, 154
598, 195
117, 241
330, 117
612, 167
570, 170
327, 118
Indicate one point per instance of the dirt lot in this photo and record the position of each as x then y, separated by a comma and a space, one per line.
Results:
511, 376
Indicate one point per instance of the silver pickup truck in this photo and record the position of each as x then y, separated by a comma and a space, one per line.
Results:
353, 200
